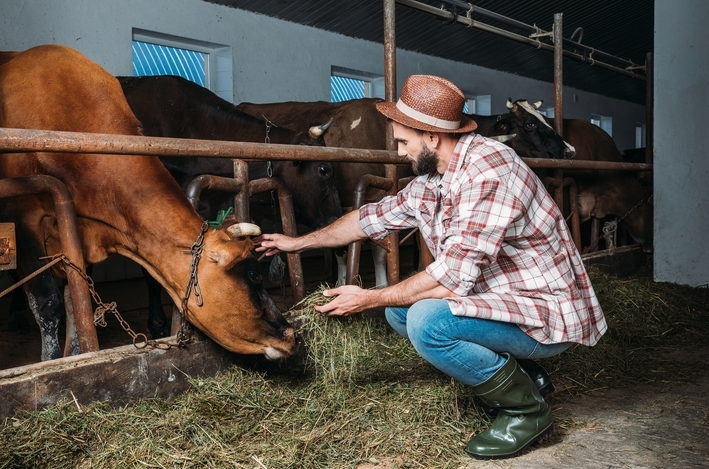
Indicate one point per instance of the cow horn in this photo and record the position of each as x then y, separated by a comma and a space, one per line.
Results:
243, 230
317, 131
510, 105
503, 138
537, 104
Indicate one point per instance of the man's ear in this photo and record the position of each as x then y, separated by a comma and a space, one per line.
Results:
432, 139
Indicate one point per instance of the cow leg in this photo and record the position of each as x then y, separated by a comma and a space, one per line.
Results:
157, 321
45, 302
44, 297
341, 257
379, 254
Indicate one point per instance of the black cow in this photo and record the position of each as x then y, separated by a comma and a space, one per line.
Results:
170, 106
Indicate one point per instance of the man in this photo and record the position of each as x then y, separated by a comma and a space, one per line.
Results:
507, 282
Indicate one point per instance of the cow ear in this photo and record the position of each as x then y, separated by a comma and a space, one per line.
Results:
228, 254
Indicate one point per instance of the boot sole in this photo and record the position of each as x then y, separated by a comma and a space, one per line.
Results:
542, 436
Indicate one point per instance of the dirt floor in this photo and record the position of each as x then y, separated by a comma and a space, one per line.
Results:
665, 425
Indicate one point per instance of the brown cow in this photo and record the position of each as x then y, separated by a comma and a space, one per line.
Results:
589, 141
622, 197
128, 205
601, 193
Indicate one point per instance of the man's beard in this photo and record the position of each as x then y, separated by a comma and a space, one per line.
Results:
426, 163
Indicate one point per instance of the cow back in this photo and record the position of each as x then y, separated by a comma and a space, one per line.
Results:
356, 124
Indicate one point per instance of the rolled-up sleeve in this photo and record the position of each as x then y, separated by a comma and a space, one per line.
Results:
392, 213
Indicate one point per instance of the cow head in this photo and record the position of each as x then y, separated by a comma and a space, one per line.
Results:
312, 186
535, 138
237, 312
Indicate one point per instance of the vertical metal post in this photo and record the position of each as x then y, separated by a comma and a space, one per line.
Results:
390, 95
558, 32
649, 108
390, 60
558, 73
241, 199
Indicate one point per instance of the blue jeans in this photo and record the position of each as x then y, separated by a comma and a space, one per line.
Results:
467, 349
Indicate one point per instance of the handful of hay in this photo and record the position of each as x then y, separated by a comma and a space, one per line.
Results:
338, 348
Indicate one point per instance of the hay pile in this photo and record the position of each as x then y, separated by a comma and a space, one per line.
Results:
361, 395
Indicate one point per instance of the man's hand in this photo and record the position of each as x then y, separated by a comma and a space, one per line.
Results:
273, 243
350, 299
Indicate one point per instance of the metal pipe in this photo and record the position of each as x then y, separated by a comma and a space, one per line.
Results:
649, 109
516, 37
393, 238
24, 140
241, 199
207, 181
285, 204
558, 75
533, 29
71, 246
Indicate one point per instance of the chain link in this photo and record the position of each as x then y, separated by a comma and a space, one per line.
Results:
192, 285
140, 340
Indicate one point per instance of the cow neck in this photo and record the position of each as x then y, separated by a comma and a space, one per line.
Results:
166, 254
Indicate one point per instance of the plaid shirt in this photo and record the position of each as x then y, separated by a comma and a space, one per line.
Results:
499, 242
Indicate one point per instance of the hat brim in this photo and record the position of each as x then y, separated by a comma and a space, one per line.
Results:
390, 110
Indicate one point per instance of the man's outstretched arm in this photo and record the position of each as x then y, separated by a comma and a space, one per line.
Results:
340, 233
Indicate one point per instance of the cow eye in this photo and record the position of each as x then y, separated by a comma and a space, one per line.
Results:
324, 170
254, 276
530, 125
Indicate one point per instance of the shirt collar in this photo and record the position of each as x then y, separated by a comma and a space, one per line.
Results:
457, 161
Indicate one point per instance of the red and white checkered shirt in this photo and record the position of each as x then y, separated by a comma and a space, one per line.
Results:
499, 242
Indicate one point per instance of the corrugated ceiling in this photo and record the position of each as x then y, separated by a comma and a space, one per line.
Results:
620, 28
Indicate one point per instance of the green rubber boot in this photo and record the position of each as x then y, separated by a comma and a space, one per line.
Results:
539, 376
523, 416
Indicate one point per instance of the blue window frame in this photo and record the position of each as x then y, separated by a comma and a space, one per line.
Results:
155, 59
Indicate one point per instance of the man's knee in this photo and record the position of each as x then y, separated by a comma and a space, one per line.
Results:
425, 318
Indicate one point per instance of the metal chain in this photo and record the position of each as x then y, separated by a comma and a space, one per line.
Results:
610, 228
103, 308
277, 268
192, 285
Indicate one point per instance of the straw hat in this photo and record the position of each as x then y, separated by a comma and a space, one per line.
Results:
429, 103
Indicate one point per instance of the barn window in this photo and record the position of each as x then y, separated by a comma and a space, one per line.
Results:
155, 59
604, 122
205, 63
346, 84
640, 130
546, 111
478, 104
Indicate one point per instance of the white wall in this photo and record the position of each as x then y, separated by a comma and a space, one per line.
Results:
680, 141
273, 60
